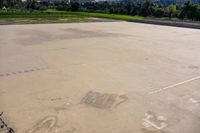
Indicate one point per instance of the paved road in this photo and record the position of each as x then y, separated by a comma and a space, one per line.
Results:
112, 77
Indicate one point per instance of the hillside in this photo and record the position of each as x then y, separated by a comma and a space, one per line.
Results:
168, 2
159, 2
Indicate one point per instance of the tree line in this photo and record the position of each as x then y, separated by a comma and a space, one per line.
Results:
147, 8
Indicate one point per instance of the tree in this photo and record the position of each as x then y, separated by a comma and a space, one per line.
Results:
159, 12
146, 8
31, 4
172, 11
1, 4
74, 6
190, 11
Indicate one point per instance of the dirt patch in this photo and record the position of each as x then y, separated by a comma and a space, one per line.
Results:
103, 100
193, 67
99, 100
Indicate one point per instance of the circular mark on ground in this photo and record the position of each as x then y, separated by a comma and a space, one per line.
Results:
69, 127
44, 126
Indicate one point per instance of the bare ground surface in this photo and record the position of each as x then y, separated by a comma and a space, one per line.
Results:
113, 77
19, 21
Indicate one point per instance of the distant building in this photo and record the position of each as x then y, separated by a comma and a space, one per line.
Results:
4, 8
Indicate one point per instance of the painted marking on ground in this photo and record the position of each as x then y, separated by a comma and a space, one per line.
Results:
174, 85
22, 71
157, 122
50, 121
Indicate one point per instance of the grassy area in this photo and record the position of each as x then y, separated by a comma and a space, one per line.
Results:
53, 16
98, 15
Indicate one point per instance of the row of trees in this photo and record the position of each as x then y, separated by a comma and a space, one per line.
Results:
189, 10
11, 3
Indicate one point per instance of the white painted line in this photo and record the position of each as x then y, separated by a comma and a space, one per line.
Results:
163, 125
174, 85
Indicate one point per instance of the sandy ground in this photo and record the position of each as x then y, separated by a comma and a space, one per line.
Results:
19, 21
106, 77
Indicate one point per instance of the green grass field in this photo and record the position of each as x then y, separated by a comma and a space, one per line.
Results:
53, 16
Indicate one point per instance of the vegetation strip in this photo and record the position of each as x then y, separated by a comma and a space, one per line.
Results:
67, 14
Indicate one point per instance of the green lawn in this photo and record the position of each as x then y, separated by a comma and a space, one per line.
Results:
98, 15
53, 16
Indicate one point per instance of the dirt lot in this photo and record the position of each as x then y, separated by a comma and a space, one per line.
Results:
106, 77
